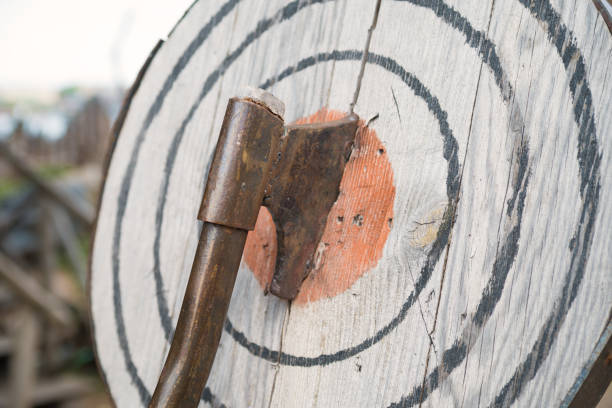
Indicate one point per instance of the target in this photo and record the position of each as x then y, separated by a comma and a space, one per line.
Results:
491, 120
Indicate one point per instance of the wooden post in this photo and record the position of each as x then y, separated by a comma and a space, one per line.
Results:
24, 359
48, 269
66, 232
46, 233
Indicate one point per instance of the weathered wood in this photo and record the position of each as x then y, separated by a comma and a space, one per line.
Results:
81, 210
47, 236
30, 290
470, 262
69, 239
24, 360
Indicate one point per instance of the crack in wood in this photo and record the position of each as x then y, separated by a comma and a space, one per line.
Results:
280, 350
429, 333
522, 142
396, 106
364, 58
364, 61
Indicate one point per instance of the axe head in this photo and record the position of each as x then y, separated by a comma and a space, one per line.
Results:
303, 186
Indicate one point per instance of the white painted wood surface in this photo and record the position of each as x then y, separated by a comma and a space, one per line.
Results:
476, 113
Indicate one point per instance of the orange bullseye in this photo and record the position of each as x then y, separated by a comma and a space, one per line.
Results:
357, 226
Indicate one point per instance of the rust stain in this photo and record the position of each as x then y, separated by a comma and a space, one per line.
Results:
357, 227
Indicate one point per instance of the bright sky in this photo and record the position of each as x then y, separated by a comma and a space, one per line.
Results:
48, 44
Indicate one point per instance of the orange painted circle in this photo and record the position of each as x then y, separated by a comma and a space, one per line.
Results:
357, 226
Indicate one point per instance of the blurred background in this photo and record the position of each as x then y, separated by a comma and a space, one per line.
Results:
65, 66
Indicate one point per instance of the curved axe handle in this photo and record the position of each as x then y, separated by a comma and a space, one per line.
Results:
234, 191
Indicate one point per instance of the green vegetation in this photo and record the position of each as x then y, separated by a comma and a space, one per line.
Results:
12, 185
68, 91
6, 105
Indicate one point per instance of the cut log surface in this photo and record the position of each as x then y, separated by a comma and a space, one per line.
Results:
488, 281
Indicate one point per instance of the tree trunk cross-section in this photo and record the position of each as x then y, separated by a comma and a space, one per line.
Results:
494, 286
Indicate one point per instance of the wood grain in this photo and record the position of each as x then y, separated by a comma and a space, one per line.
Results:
494, 285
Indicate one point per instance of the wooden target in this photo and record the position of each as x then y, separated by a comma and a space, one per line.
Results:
468, 259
